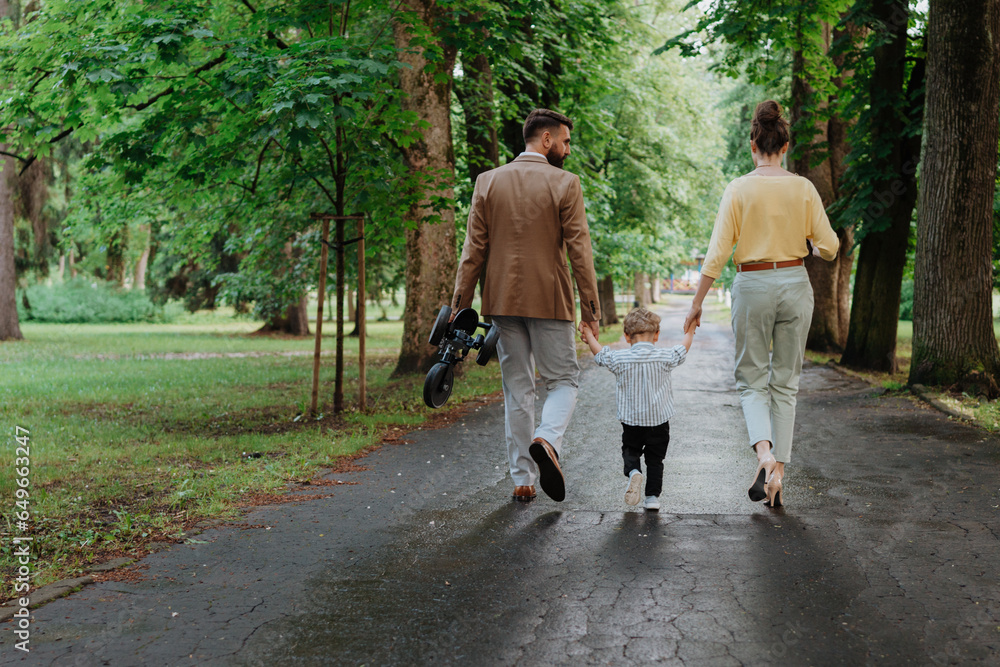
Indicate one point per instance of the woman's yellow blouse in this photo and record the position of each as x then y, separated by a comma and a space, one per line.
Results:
768, 219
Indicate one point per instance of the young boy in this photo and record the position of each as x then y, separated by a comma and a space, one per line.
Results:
645, 400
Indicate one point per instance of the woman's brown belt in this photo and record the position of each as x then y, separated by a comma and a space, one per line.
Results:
760, 266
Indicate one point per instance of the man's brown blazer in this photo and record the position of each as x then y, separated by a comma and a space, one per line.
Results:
527, 215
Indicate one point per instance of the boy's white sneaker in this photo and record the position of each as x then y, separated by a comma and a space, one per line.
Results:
633, 494
652, 503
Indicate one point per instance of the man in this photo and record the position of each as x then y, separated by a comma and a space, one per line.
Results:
527, 215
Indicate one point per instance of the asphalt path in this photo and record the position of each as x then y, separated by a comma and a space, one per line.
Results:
886, 553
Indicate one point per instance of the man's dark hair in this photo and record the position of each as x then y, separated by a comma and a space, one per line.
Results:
540, 120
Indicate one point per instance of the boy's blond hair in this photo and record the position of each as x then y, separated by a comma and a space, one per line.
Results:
641, 321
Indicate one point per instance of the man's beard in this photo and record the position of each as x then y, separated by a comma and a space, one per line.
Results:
554, 159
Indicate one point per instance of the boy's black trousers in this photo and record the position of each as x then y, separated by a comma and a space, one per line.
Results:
651, 442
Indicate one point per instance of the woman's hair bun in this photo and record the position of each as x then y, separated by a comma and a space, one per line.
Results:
769, 128
768, 111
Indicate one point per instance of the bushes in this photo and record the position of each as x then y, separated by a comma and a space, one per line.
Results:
80, 301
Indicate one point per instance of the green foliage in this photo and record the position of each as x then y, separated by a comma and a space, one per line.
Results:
219, 121
871, 182
79, 301
757, 35
906, 301
765, 41
215, 130
645, 141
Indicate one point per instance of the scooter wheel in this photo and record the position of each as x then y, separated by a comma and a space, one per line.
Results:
489, 347
438, 385
440, 325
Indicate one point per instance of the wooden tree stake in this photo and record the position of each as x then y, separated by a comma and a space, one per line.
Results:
319, 318
362, 374
338, 389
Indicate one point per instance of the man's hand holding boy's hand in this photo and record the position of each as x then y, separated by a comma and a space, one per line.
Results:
590, 336
593, 327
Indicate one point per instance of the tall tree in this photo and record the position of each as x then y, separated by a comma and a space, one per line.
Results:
886, 152
32, 196
953, 339
431, 261
9, 326
819, 146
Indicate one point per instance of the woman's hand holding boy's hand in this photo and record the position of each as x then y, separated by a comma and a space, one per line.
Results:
693, 318
689, 328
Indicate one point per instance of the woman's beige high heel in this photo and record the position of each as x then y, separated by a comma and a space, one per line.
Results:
757, 490
773, 491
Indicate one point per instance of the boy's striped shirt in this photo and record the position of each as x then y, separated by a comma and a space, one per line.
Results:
642, 374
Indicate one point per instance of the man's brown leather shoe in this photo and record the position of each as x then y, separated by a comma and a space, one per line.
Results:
524, 493
550, 476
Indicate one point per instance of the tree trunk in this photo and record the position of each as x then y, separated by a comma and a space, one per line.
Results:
953, 339
33, 193
641, 292
10, 328
844, 264
297, 316
139, 281
606, 294
117, 245
819, 147
871, 337
654, 288
294, 321
430, 244
355, 302
831, 282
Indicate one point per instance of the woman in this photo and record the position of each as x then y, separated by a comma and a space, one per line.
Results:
768, 215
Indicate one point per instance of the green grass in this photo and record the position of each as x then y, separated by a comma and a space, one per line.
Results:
138, 431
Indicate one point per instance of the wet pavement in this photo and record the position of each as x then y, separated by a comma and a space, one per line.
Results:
887, 551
